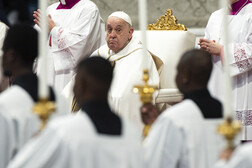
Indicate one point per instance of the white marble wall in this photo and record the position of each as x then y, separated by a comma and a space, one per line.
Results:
192, 13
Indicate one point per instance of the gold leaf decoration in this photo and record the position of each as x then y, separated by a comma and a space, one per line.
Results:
167, 22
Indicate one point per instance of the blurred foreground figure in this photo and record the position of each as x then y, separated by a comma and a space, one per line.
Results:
18, 123
94, 138
185, 135
241, 157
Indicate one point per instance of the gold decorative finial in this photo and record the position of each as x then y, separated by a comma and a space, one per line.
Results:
167, 22
145, 90
44, 108
229, 129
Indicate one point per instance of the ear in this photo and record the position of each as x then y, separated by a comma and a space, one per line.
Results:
186, 78
131, 31
10, 56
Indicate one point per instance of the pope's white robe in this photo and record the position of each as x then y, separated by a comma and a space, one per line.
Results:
78, 32
240, 47
128, 71
182, 138
18, 122
241, 158
73, 142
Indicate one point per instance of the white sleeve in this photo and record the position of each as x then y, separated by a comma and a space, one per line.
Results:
165, 146
241, 53
68, 45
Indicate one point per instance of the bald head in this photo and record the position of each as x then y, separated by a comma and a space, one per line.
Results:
93, 79
194, 70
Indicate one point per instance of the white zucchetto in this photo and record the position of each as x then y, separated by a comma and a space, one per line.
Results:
122, 15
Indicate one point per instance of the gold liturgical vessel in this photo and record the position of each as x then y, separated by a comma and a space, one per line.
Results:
44, 108
229, 129
145, 91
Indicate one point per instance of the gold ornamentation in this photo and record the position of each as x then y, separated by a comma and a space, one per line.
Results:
44, 108
167, 22
145, 91
229, 129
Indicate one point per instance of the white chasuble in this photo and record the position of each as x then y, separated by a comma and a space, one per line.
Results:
129, 64
78, 32
240, 47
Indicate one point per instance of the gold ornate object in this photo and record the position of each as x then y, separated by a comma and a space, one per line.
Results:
145, 90
167, 22
229, 129
146, 130
44, 108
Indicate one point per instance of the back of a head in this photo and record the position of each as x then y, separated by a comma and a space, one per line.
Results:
24, 40
199, 63
98, 71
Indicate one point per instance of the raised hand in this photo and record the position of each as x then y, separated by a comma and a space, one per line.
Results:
211, 46
37, 20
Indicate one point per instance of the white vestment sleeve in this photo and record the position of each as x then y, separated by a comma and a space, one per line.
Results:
69, 40
165, 146
241, 58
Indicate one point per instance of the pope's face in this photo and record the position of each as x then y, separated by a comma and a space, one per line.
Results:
119, 33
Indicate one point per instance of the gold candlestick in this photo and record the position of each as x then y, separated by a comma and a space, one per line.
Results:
145, 91
229, 129
44, 108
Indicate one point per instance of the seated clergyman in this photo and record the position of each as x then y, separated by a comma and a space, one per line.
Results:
126, 53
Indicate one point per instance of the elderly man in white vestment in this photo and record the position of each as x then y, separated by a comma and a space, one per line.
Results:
126, 54
18, 122
93, 138
241, 157
185, 135
240, 47
76, 30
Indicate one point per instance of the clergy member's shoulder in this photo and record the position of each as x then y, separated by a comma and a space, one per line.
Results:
71, 123
183, 110
12, 96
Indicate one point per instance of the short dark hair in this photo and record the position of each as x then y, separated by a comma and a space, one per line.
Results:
97, 68
24, 40
200, 64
